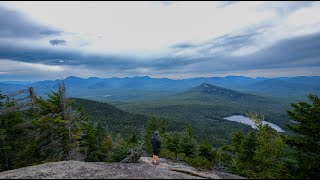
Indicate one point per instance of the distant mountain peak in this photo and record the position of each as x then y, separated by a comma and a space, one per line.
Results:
73, 77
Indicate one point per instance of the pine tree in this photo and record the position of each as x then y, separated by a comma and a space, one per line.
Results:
187, 144
270, 154
206, 150
261, 154
88, 142
174, 144
57, 129
120, 149
306, 141
11, 133
243, 163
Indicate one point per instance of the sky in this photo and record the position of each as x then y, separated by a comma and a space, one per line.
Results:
50, 40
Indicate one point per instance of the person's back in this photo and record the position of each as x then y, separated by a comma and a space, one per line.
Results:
156, 145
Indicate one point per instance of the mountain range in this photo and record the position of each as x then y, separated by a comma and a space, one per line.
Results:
144, 87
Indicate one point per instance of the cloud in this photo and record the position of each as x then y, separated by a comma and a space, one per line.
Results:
141, 28
182, 45
14, 24
295, 52
56, 42
26, 71
175, 40
225, 44
299, 53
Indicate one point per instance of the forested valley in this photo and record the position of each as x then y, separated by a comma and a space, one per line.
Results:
35, 130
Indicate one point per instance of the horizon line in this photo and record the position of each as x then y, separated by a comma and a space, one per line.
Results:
276, 77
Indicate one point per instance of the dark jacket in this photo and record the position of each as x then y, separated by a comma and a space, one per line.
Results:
156, 144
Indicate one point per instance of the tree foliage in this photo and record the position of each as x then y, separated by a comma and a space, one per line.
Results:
306, 141
11, 133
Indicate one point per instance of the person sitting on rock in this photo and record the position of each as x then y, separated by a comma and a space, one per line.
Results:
156, 145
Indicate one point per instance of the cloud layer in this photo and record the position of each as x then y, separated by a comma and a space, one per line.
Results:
14, 25
175, 40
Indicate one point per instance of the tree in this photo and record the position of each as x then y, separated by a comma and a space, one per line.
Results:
206, 150
270, 154
174, 144
57, 129
243, 163
88, 142
120, 149
11, 132
154, 124
261, 154
190, 131
306, 142
187, 144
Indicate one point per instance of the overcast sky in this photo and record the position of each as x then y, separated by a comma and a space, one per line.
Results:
48, 40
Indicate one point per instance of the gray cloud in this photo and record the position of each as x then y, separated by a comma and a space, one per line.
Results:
14, 24
56, 42
182, 45
295, 52
224, 44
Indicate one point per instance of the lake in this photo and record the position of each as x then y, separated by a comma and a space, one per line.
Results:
248, 121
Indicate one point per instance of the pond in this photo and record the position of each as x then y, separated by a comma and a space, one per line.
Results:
248, 121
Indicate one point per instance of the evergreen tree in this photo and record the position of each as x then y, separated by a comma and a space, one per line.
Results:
206, 151
236, 139
270, 154
261, 154
120, 149
11, 133
57, 129
100, 134
174, 144
187, 144
243, 163
306, 141
88, 142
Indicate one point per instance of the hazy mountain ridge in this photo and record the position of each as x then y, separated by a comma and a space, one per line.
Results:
144, 87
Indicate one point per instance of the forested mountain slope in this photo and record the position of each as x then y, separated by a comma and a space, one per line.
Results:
111, 118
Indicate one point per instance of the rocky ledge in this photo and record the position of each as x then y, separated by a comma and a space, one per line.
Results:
144, 169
